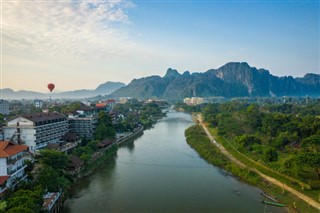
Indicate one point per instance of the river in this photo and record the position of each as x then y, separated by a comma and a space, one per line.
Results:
159, 172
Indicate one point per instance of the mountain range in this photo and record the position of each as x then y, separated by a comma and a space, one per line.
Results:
234, 79
103, 89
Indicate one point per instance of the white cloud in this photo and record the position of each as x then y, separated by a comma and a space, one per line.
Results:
66, 30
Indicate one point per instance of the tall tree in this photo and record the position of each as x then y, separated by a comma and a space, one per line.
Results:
53, 158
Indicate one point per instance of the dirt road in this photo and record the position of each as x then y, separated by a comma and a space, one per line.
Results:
266, 177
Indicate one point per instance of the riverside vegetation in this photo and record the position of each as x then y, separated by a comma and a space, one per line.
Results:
280, 140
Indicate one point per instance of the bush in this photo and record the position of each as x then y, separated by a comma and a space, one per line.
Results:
270, 155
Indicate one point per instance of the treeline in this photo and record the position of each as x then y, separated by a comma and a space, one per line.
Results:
284, 137
136, 112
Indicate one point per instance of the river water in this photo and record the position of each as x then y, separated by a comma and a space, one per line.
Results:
159, 172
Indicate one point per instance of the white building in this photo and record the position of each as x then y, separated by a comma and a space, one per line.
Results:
12, 164
123, 100
36, 130
193, 101
38, 103
4, 107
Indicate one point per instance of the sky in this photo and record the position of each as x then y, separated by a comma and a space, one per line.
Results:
79, 44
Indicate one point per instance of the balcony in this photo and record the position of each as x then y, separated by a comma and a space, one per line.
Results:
12, 161
18, 169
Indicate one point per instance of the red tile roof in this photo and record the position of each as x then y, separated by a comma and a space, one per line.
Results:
3, 179
101, 105
8, 149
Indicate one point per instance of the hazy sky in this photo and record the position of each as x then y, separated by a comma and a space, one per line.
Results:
81, 44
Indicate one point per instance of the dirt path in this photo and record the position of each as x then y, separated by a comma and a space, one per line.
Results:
266, 177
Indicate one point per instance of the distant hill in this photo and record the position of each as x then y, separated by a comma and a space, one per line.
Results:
103, 89
234, 79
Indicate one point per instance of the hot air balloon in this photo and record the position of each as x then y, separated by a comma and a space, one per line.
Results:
50, 87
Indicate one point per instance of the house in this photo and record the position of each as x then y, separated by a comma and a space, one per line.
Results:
13, 159
36, 130
70, 141
52, 202
4, 107
75, 166
105, 143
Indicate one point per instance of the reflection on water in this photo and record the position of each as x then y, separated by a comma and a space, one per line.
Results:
159, 172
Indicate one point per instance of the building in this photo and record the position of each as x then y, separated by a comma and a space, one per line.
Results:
38, 103
52, 202
4, 107
13, 159
124, 100
193, 101
36, 130
75, 166
107, 105
84, 126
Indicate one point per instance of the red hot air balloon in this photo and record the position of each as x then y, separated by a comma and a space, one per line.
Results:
50, 86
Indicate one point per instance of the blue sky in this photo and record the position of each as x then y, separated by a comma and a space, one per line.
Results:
80, 44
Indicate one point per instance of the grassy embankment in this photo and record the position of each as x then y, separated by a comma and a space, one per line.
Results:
198, 140
292, 182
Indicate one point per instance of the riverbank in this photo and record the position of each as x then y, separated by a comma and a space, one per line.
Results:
129, 136
103, 154
246, 173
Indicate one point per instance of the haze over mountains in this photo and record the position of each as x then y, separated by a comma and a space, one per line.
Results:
103, 89
234, 79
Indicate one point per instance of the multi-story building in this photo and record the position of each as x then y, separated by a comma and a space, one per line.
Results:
4, 107
82, 125
12, 164
107, 105
36, 130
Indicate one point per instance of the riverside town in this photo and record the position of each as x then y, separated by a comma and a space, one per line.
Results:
159, 106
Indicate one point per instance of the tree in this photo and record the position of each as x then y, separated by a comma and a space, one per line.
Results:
310, 152
254, 117
26, 201
3, 206
51, 180
20, 209
246, 141
283, 139
105, 128
270, 155
291, 165
53, 158
71, 108
103, 131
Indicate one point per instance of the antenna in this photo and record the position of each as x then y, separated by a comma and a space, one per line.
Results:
19, 133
